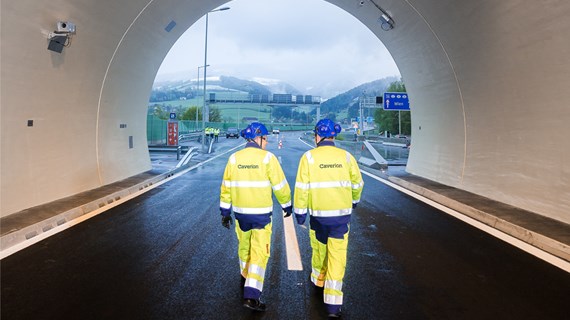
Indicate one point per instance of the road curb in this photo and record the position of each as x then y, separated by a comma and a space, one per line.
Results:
536, 239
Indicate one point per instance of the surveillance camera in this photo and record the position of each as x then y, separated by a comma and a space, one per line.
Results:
386, 22
65, 27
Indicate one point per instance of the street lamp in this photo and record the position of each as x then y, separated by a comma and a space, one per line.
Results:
198, 88
205, 111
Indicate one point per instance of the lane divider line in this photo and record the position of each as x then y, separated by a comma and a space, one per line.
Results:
292, 245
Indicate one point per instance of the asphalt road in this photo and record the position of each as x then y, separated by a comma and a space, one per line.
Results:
165, 255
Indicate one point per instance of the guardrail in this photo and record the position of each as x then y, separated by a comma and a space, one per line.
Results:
190, 136
189, 154
177, 149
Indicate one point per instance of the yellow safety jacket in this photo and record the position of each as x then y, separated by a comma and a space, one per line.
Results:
328, 182
249, 178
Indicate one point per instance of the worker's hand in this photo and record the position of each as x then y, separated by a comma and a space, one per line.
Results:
300, 218
354, 205
288, 210
226, 221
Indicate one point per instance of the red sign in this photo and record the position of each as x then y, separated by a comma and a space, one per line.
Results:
173, 133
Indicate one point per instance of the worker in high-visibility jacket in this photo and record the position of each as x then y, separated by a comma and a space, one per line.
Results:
250, 176
328, 187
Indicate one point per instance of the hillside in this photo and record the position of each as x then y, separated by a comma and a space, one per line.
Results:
180, 95
345, 100
187, 89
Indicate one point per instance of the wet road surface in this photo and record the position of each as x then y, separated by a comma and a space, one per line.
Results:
165, 255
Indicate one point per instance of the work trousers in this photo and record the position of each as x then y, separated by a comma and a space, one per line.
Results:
328, 267
254, 248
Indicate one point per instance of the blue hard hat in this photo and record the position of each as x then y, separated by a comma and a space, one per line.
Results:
255, 129
326, 128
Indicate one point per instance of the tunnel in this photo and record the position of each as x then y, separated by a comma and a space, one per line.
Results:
487, 82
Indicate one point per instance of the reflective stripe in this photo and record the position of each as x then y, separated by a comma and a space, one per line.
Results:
252, 210
247, 184
315, 278
253, 283
357, 186
329, 213
280, 185
225, 205
285, 205
322, 185
329, 184
267, 157
332, 299
347, 157
301, 185
255, 276
316, 272
300, 211
242, 264
233, 159
309, 157
333, 284
356, 201
255, 269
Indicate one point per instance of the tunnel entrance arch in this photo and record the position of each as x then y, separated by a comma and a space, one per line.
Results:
475, 73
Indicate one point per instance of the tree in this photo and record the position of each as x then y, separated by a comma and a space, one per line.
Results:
159, 112
190, 113
281, 112
215, 115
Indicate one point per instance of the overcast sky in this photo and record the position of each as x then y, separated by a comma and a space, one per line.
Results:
318, 48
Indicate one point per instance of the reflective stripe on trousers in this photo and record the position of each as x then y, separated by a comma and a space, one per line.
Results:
328, 266
254, 248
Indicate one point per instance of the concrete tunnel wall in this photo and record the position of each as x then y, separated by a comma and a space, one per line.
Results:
487, 81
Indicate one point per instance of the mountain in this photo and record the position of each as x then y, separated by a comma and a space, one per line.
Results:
347, 99
278, 86
234, 83
176, 89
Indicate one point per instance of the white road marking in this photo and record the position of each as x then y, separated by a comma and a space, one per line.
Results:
550, 258
291, 245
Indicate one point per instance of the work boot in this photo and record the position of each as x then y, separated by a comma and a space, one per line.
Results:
336, 315
254, 304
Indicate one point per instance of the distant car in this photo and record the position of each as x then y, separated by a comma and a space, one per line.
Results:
275, 131
232, 132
